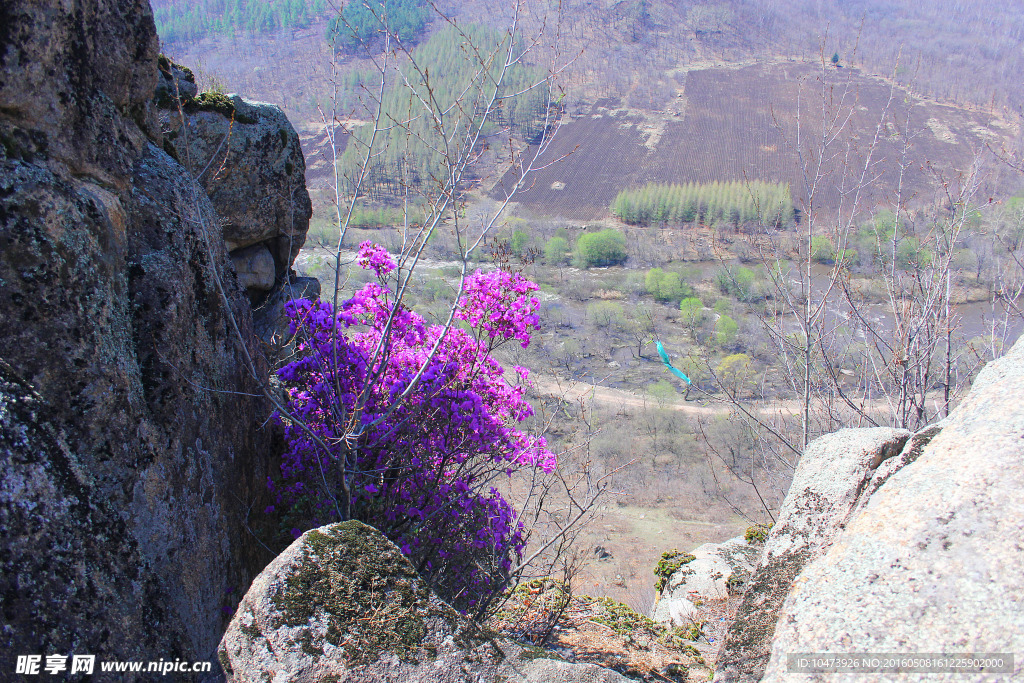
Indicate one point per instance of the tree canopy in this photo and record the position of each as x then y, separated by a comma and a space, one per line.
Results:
195, 20
362, 22
734, 202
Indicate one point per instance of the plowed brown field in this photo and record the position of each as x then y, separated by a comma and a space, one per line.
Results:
742, 123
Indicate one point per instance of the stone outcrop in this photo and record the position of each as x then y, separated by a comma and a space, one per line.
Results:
342, 603
933, 562
248, 158
828, 486
717, 571
133, 443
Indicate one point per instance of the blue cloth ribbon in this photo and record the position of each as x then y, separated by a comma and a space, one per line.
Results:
668, 364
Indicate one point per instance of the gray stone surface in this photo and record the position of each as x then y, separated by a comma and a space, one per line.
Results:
255, 268
830, 480
247, 157
76, 80
342, 603
706, 577
132, 446
934, 561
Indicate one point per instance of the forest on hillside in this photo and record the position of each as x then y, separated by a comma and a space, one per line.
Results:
948, 49
190, 21
404, 155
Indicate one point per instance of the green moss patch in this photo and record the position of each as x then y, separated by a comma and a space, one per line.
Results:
531, 653
621, 618
219, 103
669, 563
757, 533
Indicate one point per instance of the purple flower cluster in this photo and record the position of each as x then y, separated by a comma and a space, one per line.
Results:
376, 258
499, 302
418, 438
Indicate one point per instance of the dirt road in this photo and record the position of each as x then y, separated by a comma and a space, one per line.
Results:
573, 391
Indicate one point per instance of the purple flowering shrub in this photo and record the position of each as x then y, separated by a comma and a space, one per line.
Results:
418, 421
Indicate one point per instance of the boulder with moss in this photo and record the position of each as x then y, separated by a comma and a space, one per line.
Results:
713, 571
834, 474
247, 157
343, 603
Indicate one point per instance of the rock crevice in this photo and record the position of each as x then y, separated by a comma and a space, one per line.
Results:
134, 444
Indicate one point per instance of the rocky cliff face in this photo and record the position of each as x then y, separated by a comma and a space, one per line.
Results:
247, 157
892, 542
133, 443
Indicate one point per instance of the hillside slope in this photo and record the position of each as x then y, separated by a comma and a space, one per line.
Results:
772, 122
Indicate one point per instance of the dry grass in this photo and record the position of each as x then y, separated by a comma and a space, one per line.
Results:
600, 631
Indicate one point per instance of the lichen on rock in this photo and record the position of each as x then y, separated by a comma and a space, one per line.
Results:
343, 603
364, 588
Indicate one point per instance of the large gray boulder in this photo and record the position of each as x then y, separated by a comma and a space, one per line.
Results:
247, 157
343, 604
255, 268
132, 444
933, 563
832, 476
717, 571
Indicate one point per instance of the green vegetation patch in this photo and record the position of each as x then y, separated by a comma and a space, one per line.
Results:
555, 250
735, 203
362, 23
370, 595
619, 617
531, 652
757, 533
602, 248
680, 637
669, 563
219, 103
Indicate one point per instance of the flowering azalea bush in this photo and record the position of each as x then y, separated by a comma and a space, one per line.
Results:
413, 425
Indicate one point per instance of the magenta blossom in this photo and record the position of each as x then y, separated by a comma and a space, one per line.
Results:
419, 439
500, 303
376, 258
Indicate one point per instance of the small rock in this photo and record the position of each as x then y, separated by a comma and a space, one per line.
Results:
706, 577
255, 268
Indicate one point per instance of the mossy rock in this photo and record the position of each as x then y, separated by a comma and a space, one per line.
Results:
343, 602
176, 86
219, 103
369, 594
167, 65
668, 565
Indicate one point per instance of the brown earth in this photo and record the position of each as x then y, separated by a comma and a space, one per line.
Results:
742, 124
